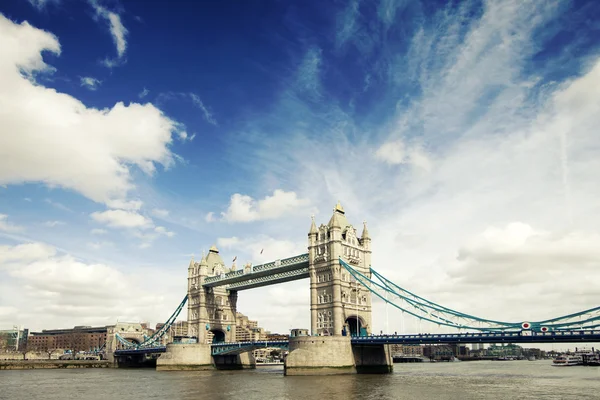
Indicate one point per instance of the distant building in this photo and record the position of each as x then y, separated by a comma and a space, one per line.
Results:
412, 350
298, 332
13, 339
508, 350
438, 352
247, 330
80, 338
276, 336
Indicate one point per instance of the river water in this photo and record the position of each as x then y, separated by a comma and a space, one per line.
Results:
458, 380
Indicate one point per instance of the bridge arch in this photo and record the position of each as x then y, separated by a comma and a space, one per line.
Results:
354, 325
218, 335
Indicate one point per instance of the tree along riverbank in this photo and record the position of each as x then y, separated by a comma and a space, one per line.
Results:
53, 364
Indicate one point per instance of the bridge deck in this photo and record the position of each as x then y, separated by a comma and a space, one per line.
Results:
484, 337
478, 337
285, 270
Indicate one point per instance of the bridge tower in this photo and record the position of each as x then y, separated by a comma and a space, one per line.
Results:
338, 305
211, 311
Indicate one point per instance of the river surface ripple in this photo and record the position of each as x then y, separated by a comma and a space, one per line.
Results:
459, 380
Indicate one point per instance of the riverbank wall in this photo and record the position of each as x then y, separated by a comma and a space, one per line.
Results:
52, 364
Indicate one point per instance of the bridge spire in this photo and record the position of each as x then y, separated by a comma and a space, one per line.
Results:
365, 233
313, 226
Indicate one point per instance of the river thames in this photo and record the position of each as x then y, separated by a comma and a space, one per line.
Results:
459, 380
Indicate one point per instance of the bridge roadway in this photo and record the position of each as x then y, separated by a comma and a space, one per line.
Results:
450, 338
279, 271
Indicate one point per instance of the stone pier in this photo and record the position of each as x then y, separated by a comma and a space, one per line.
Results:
335, 355
181, 357
197, 357
373, 359
319, 355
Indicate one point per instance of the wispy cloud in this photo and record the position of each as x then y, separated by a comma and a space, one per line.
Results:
143, 93
89, 82
309, 79
207, 113
474, 140
41, 4
117, 30
53, 224
208, 116
6, 226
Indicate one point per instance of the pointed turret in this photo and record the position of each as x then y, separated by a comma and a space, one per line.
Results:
313, 226
365, 233
191, 263
203, 260
338, 219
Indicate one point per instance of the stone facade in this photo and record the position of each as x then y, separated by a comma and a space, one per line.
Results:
211, 311
320, 355
339, 306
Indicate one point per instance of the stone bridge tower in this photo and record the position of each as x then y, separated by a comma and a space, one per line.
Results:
211, 311
338, 304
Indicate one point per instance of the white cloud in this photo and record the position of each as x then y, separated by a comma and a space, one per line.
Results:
160, 213
125, 204
117, 30
97, 231
122, 219
143, 93
53, 224
89, 82
259, 249
8, 227
57, 291
210, 217
161, 230
99, 245
25, 252
397, 152
518, 254
244, 208
96, 148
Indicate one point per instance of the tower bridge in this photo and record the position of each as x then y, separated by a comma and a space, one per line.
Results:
342, 283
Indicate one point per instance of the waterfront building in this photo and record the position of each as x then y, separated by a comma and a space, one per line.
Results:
79, 338
438, 352
505, 350
13, 339
411, 350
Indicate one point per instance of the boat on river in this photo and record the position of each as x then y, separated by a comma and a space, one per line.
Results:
567, 360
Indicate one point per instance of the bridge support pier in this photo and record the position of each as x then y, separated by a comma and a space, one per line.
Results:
373, 359
320, 355
181, 357
198, 357
235, 361
335, 355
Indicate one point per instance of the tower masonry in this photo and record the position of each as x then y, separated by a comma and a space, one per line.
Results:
211, 311
338, 304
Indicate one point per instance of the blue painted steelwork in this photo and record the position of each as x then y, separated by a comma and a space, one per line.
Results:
242, 347
285, 270
429, 311
152, 341
141, 350
484, 337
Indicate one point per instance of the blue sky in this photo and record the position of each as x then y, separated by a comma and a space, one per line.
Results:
137, 134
